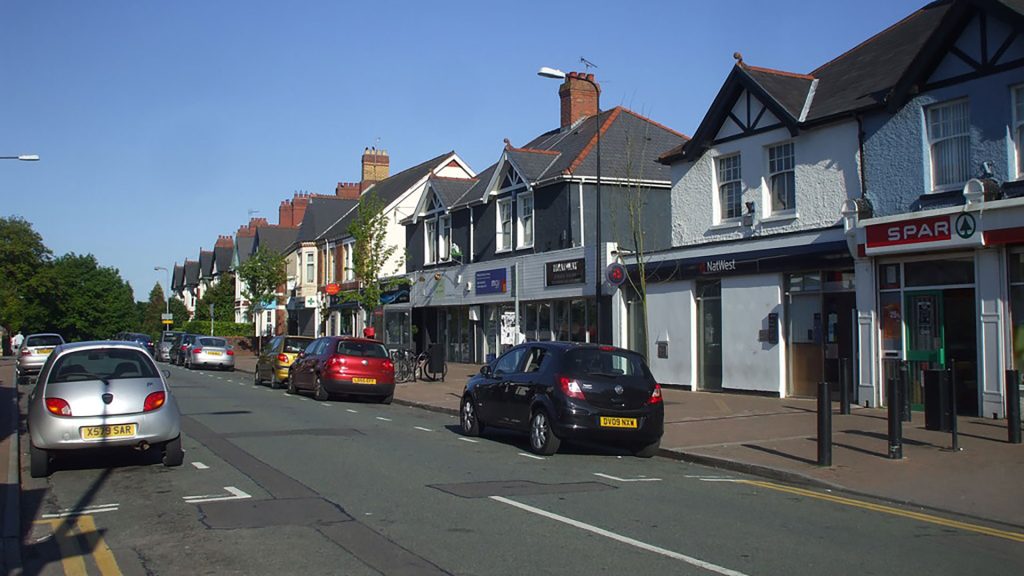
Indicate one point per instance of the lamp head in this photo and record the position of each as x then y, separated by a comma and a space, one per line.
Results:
546, 72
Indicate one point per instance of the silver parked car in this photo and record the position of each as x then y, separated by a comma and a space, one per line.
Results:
210, 352
101, 395
163, 347
34, 351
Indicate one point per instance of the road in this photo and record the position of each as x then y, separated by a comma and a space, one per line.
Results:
280, 484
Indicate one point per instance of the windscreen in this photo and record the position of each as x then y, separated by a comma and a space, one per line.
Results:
295, 345
169, 336
213, 342
363, 349
44, 340
102, 364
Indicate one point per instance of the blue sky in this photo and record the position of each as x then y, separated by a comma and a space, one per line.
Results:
162, 124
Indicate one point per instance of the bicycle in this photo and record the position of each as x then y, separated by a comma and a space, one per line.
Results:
405, 365
423, 365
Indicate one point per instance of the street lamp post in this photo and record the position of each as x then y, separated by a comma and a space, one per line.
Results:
558, 74
167, 300
22, 157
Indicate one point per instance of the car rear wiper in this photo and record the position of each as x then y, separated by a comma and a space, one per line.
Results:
606, 374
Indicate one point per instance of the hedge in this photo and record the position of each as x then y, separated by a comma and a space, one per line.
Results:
222, 329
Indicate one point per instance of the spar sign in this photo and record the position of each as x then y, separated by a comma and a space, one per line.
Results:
936, 232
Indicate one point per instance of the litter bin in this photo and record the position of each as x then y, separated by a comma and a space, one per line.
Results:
936, 401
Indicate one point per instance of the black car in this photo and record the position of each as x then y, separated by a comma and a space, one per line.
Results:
180, 348
564, 390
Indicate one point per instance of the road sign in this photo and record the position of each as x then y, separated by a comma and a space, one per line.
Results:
616, 273
168, 322
166, 317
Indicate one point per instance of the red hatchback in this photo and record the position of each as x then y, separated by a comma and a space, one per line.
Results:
344, 365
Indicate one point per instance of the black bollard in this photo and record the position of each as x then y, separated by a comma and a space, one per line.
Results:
824, 424
905, 391
895, 423
1013, 406
952, 405
844, 386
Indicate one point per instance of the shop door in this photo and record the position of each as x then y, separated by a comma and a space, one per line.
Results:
926, 347
709, 331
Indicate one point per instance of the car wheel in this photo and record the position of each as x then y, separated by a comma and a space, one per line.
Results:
319, 393
230, 368
542, 438
173, 454
274, 382
387, 399
468, 418
291, 385
647, 451
39, 462
256, 380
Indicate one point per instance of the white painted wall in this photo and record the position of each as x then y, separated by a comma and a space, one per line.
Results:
827, 173
747, 363
672, 316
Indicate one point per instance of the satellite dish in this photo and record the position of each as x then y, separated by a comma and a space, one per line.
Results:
974, 191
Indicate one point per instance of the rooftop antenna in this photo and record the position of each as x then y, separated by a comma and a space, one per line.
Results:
587, 63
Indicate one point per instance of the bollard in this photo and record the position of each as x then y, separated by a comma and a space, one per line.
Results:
1013, 406
844, 386
952, 405
824, 424
895, 423
905, 391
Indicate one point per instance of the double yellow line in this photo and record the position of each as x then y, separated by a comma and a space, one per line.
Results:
1014, 536
69, 534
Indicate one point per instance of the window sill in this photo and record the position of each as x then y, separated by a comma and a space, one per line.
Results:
525, 247
782, 217
726, 225
503, 251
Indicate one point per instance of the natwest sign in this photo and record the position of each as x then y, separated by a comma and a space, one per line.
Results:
946, 231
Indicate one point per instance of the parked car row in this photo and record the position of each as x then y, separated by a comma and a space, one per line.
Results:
197, 351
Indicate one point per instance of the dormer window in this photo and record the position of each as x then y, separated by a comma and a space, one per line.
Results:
949, 144
730, 187
782, 177
437, 231
525, 220
504, 224
431, 241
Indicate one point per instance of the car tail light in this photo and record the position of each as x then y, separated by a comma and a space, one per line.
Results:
336, 363
58, 406
231, 352
607, 348
197, 350
282, 358
656, 395
25, 351
154, 401
388, 365
571, 388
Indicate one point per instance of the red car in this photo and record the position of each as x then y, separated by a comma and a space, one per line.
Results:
344, 365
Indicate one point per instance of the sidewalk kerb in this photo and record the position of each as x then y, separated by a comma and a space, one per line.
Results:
12, 505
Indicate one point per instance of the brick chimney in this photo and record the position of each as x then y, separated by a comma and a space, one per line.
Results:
579, 97
224, 242
347, 190
249, 230
376, 166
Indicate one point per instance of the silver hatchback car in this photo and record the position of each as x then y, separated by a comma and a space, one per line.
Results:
210, 352
33, 353
101, 395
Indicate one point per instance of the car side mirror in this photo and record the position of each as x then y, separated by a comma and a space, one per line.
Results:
486, 370
166, 373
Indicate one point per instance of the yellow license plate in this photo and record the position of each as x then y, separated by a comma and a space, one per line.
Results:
615, 422
44, 351
112, 431
214, 353
364, 380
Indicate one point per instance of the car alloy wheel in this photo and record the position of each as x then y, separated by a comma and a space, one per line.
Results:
291, 385
468, 418
542, 438
319, 392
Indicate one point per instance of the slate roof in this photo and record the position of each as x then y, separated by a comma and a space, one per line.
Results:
191, 273
275, 238
321, 214
205, 263
449, 190
476, 191
243, 249
881, 71
177, 278
222, 258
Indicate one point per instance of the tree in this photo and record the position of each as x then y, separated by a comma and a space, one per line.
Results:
261, 274
369, 230
22, 256
222, 296
81, 299
155, 307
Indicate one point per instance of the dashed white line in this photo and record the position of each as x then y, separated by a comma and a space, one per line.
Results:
236, 494
422, 428
66, 512
383, 418
326, 404
616, 478
468, 440
532, 456
623, 539
200, 466
352, 411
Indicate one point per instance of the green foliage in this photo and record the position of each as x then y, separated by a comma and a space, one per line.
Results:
152, 310
369, 230
222, 296
22, 256
261, 274
222, 329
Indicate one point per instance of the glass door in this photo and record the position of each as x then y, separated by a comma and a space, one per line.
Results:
709, 331
926, 347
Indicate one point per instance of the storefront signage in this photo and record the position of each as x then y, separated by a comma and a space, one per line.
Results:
718, 266
948, 230
566, 272
491, 281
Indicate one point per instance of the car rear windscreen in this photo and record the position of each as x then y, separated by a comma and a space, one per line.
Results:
363, 349
169, 336
213, 342
296, 345
102, 364
43, 340
599, 362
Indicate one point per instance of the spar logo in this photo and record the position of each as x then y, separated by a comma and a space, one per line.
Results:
934, 229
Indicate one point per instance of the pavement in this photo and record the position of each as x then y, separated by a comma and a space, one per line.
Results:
764, 436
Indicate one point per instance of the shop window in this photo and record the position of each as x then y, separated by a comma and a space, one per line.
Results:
891, 319
544, 321
1017, 307
578, 321
939, 272
889, 276
806, 282
530, 321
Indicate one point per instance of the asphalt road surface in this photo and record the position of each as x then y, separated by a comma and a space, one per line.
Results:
280, 484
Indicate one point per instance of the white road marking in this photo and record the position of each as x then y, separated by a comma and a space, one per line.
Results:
720, 480
383, 418
468, 440
619, 538
200, 466
422, 428
326, 404
352, 411
236, 494
532, 456
617, 479
66, 512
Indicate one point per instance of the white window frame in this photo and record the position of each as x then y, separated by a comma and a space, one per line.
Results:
430, 241
349, 272
960, 173
778, 168
525, 220
1017, 130
721, 183
444, 238
310, 267
501, 243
